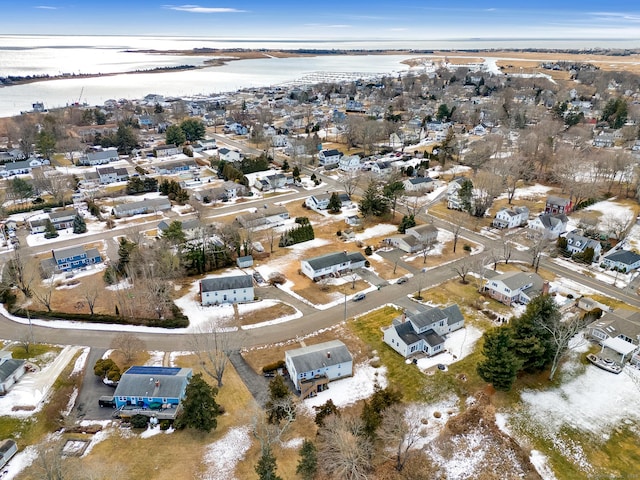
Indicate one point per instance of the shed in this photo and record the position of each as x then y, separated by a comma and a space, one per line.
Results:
8, 449
244, 262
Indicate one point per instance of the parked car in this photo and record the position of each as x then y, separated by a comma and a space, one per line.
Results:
402, 280
107, 401
257, 277
359, 296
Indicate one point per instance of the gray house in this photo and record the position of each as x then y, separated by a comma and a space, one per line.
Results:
623, 260
11, 370
311, 368
331, 264
230, 289
100, 157
151, 205
8, 449
423, 332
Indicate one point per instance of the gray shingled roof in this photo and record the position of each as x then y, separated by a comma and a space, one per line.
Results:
75, 251
328, 260
429, 317
320, 355
143, 384
226, 283
623, 256
8, 367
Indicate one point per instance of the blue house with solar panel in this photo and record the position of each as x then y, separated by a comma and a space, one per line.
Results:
155, 388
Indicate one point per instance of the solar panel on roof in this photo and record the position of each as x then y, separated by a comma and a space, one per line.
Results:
144, 370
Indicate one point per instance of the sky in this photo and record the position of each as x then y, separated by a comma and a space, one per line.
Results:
328, 19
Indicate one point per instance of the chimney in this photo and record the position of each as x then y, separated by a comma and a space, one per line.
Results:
403, 317
328, 354
545, 288
157, 383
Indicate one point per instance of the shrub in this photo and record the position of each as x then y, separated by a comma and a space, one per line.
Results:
367, 263
277, 278
368, 250
165, 424
339, 233
139, 421
466, 247
270, 367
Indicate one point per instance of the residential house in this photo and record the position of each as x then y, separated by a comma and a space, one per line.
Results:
229, 289
331, 264
229, 155
156, 388
618, 330
577, 243
21, 167
271, 182
382, 168
108, 175
415, 239
514, 287
8, 448
244, 262
557, 205
419, 184
191, 228
350, 163
312, 367
70, 258
100, 157
623, 260
354, 106
269, 216
175, 166
61, 220
228, 191
353, 220
453, 197
604, 140
549, 225
11, 370
162, 151
152, 205
321, 200
327, 158
423, 332
511, 217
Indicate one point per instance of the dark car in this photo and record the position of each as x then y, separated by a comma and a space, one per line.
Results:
402, 280
107, 401
359, 296
257, 277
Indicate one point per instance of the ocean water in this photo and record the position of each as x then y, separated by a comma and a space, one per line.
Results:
23, 55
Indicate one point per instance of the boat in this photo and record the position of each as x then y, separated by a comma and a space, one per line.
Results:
604, 363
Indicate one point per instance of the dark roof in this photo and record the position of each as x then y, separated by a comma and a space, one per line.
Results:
623, 256
140, 381
419, 180
330, 259
453, 313
8, 367
331, 153
558, 200
53, 216
226, 283
75, 251
320, 355
429, 317
406, 332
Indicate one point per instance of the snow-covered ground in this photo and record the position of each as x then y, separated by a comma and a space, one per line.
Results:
457, 345
223, 455
348, 391
528, 193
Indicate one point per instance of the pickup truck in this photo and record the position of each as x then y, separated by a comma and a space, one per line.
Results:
107, 401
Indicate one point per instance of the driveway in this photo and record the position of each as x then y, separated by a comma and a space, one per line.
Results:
257, 384
92, 388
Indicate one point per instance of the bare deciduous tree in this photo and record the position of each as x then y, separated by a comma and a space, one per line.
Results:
562, 331
90, 292
20, 272
402, 427
462, 268
129, 345
350, 182
44, 295
213, 347
344, 449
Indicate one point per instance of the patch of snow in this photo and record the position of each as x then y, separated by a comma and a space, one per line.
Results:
457, 345
151, 431
97, 438
21, 460
81, 361
530, 192
222, 456
540, 462
293, 443
377, 231
155, 358
349, 390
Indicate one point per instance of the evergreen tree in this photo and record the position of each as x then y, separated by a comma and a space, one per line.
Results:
374, 408
124, 255
324, 410
79, 225
393, 191
501, 364
266, 467
335, 205
285, 165
533, 343
50, 230
126, 138
308, 463
193, 129
200, 410
280, 403
466, 195
408, 221
373, 203
296, 173
45, 144
174, 233
175, 135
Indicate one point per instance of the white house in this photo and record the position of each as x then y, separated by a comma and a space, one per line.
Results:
514, 287
167, 150
271, 216
577, 243
382, 168
229, 155
11, 370
328, 158
551, 226
152, 205
8, 448
21, 167
321, 200
312, 367
423, 332
623, 260
419, 184
511, 217
618, 330
331, 264
231, 289
61, 219
350, 163
415, 239
100, 157
108, 175
453, 198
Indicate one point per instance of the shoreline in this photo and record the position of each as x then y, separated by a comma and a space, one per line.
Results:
220, 57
